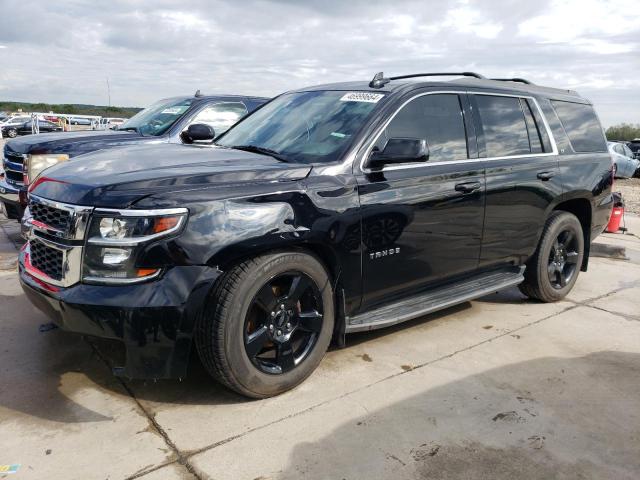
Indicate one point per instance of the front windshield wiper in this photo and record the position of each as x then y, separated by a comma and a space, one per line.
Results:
129, 129
262, 151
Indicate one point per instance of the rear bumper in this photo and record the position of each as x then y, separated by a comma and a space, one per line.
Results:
10, 198
153, 320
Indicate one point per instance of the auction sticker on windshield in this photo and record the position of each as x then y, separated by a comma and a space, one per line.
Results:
362, 97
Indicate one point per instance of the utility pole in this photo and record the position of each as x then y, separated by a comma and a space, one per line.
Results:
109, 95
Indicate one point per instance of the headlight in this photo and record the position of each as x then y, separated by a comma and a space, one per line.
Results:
116, 240
36, 164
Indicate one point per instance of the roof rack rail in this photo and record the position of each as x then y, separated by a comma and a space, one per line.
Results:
440, 74
379, 80
519, 80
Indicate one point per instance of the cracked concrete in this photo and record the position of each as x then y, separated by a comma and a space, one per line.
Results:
495, 388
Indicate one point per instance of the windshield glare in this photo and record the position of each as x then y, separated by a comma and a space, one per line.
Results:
158, 118
305, 127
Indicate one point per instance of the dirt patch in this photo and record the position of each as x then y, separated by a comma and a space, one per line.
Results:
630, 188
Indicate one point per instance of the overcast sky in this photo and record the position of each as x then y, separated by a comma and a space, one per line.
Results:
63, 51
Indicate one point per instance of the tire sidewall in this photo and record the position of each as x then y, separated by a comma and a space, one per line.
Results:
562, 222
245, 372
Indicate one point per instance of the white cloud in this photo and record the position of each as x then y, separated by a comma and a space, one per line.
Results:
151, 49
569, 20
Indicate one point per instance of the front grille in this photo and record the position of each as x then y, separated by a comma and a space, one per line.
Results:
14, 177
46, 259
50, 216
13, 157
13, 167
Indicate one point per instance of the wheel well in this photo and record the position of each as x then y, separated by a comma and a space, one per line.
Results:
581, 208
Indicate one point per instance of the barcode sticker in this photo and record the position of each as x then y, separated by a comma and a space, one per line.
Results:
362, 97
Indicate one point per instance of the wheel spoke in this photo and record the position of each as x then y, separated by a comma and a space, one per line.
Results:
552, 270
299, 285
266, 299
310, 321
556, 245
284, 356
256, 341
562, 279
572, 257
567, 239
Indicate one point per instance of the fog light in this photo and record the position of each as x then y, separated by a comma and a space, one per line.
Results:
115, 256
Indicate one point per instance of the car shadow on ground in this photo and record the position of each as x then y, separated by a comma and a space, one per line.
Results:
544, 418
42, 372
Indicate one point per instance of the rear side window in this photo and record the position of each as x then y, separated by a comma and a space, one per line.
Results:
504, 126
581, 125
436, 118
532, 128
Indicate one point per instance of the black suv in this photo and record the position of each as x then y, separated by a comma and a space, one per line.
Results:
166, 121
333, 209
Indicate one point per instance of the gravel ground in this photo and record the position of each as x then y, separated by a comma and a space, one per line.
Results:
630, 189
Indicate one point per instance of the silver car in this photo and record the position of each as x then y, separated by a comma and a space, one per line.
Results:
624, 165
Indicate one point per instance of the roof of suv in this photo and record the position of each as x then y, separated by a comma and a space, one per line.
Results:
404, 84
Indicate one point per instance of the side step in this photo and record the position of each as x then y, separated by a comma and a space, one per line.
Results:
436, 299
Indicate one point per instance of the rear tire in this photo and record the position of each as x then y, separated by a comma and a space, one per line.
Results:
242, 307
12, 133
553, 269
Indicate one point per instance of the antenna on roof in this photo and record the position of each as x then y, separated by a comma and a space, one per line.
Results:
379, 80
198, 94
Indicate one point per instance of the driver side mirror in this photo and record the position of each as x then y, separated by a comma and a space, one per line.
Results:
199, 132
400, 150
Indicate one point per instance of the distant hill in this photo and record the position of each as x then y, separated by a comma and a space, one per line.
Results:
75, 108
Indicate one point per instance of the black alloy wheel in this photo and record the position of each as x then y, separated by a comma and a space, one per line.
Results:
552, 271
563, 259
283, 323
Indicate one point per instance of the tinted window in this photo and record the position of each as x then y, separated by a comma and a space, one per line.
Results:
437, 119
581, 125
503, 124
532, 128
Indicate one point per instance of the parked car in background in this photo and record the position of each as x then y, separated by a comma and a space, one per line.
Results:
11, 125
172, 120
625, 164
79, 121
110, 122
44, 126
3, 116
634, 146
332, 209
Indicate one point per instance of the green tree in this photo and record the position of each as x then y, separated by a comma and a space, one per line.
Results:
623, 132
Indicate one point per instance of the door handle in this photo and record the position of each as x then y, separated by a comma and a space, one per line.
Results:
544, 176
468, 187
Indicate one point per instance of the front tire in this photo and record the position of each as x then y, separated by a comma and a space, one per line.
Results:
267, 324
12, 133
553, 270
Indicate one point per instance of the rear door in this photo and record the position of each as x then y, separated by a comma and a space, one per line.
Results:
422, 222
522, 175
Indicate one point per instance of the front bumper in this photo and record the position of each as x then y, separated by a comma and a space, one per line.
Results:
10, 198
154, 320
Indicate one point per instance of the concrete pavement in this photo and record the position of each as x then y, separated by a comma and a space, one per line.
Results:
497, 388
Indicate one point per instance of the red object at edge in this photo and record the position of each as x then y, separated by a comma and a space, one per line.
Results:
614, 221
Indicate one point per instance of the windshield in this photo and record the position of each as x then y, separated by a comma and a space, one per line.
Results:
158, 118
304, 127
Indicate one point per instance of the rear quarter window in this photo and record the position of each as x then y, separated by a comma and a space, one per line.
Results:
581, 126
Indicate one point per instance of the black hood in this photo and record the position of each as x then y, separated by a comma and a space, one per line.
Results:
74, 143
119, 177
